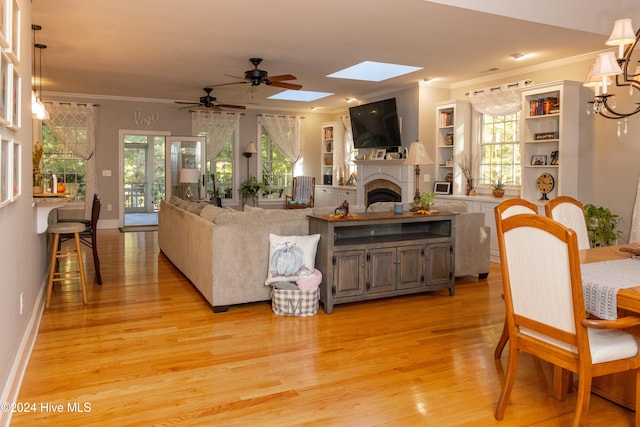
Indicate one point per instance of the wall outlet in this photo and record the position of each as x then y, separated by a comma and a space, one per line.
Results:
109, 207
106, 172
427, 178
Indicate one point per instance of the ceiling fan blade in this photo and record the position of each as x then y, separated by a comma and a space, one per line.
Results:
282, 77
286, 85
185, 102
232, 83
240, 107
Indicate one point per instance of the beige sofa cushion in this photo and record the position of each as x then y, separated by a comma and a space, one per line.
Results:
211, 212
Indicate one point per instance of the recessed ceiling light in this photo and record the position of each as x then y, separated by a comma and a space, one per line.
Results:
300, 95
518, 56
373, 71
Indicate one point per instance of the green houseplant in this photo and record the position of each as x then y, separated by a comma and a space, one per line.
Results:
426, 201
249, 189
602, 225
497, 184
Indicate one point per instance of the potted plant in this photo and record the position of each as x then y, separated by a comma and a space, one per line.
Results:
36, 160
426, 201
602, 225
497, 184
249, 189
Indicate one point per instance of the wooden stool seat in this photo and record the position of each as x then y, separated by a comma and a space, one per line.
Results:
56, 230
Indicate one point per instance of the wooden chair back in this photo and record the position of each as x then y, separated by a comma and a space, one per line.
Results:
545, 306
569, 212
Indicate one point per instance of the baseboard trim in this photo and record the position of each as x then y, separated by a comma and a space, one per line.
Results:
20, 362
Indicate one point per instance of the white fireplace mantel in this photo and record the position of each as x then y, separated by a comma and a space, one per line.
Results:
391, 170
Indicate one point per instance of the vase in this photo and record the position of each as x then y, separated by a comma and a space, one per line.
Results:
469, 186
38, 189
498, 193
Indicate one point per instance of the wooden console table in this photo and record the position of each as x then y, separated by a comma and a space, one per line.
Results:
379, 254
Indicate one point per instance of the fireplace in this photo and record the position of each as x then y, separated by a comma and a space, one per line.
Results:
382, 190
384, 180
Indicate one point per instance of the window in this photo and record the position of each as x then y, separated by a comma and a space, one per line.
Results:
68, 167
277, 170
222, 166
500, 148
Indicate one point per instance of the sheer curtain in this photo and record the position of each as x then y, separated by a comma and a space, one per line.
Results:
284, 131
496, 101
74, 126
216, 126
348, 147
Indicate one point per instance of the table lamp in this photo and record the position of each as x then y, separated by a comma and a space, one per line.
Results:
417, 156
188, 176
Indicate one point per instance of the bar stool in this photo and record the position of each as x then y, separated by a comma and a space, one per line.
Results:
56, 230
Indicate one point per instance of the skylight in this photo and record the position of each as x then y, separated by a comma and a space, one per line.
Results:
373, 71
300, 95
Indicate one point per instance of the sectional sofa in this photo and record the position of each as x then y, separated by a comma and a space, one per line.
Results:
225, 253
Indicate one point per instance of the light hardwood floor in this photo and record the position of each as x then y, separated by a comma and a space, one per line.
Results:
148, 350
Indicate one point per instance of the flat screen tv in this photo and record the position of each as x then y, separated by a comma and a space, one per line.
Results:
375, 125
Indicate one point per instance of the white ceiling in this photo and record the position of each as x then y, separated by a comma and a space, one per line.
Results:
170, 50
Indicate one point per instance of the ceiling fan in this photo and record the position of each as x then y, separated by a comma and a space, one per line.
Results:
257, 77
209, 101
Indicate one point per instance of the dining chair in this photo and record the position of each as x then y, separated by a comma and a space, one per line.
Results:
546, 315
303, 190
88, 237
569, 212
504, 210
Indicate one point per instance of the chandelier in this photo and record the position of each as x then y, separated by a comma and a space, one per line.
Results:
623, 68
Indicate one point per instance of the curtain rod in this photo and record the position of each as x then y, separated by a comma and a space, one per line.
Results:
522, 83
71, 103
275, 115
217, 112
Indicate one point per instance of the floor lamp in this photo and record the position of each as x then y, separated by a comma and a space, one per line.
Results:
417, 156
249, 151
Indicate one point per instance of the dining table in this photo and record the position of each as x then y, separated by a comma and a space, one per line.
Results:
611, 283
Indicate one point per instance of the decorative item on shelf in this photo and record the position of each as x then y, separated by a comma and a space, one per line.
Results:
545, 185
554, 157
36, 160
442, 187
448, 140
602, 225
417, 156
468, 169
539, 160
625, 70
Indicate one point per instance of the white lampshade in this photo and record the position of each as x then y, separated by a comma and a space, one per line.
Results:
606, 66
594, 81
250, 148
418, 155
621, 35
189, 176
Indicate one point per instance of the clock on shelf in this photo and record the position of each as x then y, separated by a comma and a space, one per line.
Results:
545, 184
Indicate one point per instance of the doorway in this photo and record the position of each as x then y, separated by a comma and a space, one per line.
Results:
143, 177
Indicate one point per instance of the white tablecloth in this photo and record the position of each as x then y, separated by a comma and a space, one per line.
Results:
601, 281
